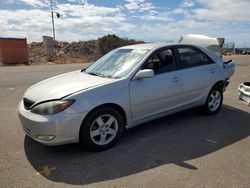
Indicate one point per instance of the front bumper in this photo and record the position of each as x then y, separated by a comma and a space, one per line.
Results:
57, 129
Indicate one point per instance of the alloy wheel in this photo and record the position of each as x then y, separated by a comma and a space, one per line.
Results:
214, 100
104, 129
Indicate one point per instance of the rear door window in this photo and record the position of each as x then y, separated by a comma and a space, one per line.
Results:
192, 57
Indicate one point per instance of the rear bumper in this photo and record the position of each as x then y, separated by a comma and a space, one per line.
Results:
225, 84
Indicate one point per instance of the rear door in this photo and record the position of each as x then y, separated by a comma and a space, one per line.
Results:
199, 74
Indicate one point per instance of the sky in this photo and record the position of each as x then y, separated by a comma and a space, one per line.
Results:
148, 20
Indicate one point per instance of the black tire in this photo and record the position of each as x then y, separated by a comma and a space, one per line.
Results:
208, 107
93, 125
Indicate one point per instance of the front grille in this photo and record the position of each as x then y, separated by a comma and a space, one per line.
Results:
27, 103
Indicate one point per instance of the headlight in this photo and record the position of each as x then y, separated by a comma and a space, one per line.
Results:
52, 107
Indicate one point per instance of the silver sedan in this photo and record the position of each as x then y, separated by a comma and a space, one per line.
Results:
126, 87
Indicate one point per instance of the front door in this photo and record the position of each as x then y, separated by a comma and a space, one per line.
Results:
161, 93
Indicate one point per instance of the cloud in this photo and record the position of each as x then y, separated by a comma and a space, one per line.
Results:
79, 1
138, 5
78, 22
187, 4
224, 10
86, 10
159, 17
139, 19
25, 23
36, 3
180, 11
224, 18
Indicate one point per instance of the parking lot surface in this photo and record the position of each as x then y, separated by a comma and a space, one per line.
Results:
187, 149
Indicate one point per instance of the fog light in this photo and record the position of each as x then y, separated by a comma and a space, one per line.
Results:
45, 137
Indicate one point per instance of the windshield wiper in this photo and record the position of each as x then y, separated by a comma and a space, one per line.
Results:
101, 75
96, 74
92, 73
83, 70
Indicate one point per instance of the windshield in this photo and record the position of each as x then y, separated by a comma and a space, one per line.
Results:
117, 63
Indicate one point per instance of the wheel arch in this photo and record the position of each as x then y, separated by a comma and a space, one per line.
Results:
220, 84
217, 86
108, 105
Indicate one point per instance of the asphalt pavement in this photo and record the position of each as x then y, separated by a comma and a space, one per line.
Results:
187, 149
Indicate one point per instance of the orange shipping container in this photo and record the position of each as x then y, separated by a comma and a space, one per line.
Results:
13, 51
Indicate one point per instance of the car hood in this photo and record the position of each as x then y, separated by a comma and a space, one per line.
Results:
60, 86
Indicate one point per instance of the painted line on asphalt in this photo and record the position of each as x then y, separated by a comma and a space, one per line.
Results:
46, 171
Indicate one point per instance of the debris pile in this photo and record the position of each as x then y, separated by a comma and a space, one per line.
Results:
78, 52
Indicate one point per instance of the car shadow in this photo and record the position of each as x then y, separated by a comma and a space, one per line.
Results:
172, 139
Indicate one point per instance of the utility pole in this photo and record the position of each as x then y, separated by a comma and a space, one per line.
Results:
53, 24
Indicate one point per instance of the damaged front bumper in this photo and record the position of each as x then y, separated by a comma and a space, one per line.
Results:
244, 92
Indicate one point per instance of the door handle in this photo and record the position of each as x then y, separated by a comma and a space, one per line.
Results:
176, 79
212, 70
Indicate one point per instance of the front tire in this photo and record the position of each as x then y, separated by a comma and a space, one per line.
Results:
214, 101
102, 129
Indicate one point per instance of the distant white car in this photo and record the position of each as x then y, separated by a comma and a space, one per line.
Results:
126, 87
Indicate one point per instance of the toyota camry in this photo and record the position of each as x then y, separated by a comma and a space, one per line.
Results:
124, 88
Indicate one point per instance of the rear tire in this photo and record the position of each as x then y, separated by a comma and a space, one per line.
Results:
101, 129
214, 101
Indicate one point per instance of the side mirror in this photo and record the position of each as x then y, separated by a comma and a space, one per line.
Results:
146, 73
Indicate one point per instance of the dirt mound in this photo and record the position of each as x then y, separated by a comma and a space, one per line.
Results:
78, 52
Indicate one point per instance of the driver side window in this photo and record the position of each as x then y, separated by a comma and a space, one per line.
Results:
161, 61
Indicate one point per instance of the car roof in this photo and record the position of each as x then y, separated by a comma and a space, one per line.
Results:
151, 46
147, 46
